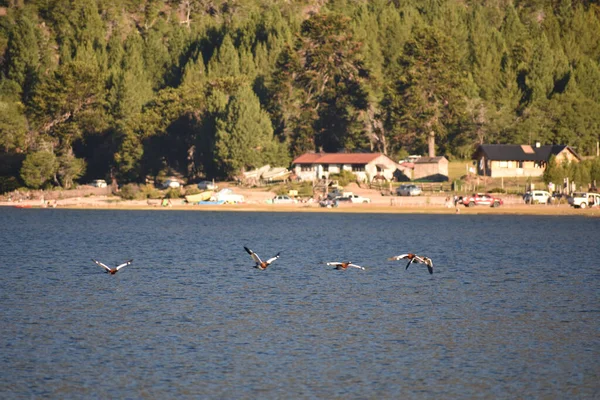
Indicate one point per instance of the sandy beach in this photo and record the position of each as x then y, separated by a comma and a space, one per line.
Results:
258, 201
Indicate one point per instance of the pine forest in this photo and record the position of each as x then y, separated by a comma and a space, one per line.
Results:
130, 89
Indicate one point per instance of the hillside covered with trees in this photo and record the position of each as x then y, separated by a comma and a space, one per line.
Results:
207, 88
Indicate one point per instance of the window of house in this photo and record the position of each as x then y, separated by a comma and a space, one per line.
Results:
358, 167
325, 167
503, 164
306, 167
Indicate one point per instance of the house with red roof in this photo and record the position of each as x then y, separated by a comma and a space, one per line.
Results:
366, 166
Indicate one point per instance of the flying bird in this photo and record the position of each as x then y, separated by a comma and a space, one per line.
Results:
114, 270
414, 258
260, 264
344, 265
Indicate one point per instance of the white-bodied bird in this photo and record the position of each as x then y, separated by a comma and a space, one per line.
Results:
260, 264
414, 258
344, 265
114, 270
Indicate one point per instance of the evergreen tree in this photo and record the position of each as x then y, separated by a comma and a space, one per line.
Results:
133, 89
13, 123
226, 61
23, 54
244, 137
72, 89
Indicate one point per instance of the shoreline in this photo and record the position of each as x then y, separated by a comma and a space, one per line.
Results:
115, 203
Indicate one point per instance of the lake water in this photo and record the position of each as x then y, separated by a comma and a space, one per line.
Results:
512, 310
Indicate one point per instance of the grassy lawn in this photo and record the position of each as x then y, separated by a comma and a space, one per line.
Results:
457, 170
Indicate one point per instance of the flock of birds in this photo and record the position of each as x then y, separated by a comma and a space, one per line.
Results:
262, 265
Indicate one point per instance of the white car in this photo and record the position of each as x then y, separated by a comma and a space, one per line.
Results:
101, 183
354, 198
171, 184
537, 197
408, 190
207, 185
283, 199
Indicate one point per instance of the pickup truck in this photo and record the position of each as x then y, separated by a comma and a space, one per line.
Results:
354, 198
583, 200
481, 199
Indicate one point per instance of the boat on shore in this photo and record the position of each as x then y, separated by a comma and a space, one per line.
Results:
195, 198
276, 174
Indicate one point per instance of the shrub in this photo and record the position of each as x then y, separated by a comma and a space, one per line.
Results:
172, 193
129, 191
497, 190
149, 192
8, 184
343, 178
192, 190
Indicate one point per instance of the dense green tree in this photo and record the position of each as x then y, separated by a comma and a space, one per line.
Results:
70, 168
332, 76
244, 137
22, 63
39, 168
428, 106
13, 123
128, 154
58, 102
226, 61
553, 172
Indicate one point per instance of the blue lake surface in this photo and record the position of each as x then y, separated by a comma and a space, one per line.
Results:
511, 311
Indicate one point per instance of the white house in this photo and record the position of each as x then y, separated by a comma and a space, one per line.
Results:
366, 166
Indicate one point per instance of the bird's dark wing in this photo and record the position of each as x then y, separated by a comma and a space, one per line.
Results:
254, 256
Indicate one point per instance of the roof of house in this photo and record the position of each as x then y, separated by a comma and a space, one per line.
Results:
429, 160
336, 158
517, 152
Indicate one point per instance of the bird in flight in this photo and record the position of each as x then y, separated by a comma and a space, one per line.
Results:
344, 265
114, 270
414, 258
260, 264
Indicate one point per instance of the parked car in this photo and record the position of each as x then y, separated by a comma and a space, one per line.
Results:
336, 192
408, 190
537, 197
328, 203
354, 198
583, 199
101, 183
207, 185
482, 199
283, 199
171, 184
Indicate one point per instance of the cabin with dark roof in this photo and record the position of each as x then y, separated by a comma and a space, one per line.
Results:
510, 160
366, 166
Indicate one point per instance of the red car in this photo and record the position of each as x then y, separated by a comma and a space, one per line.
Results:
481, 199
